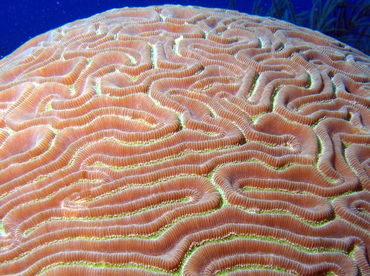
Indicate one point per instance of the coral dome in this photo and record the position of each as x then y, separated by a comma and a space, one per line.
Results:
186, 141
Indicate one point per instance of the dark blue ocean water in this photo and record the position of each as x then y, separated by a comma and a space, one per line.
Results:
21, 20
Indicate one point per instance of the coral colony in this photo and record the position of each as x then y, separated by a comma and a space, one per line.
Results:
186, 141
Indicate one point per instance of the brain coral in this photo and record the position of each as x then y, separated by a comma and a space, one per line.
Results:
186, 141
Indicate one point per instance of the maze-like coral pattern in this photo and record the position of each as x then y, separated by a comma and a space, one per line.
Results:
186, 141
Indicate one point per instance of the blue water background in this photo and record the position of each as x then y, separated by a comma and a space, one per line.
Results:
21, 20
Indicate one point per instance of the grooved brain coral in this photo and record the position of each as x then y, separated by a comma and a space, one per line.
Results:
186, 141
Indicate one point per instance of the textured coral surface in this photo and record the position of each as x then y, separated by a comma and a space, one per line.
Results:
188, 141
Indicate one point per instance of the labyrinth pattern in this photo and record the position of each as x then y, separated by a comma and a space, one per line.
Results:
175, 140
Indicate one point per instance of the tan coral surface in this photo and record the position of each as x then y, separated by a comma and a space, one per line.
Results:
187, 141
